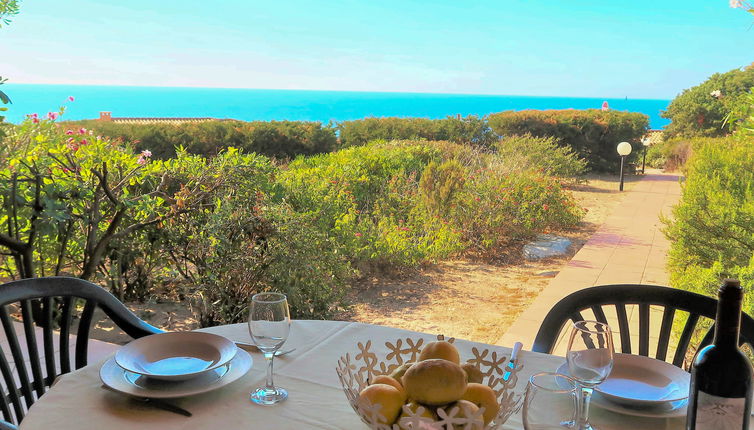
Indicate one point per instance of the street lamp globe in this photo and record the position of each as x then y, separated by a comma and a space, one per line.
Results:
624, 148
646, 141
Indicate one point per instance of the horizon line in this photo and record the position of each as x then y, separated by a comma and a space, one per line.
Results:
8, 84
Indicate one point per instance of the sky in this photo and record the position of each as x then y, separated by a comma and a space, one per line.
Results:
569, 48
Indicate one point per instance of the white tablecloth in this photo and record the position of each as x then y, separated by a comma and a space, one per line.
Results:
316, 399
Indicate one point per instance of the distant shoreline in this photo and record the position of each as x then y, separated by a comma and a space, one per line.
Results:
294, 105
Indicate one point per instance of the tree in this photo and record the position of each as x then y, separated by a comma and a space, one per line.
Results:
701, 110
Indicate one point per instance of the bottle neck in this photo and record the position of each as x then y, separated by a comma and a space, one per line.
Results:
728, 323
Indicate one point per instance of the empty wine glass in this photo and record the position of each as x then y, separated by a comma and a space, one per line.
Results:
269, 325
590, 361
549, 402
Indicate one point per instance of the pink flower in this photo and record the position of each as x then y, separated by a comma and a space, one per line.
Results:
358, 234
735, 3
545, 206
84, 142
35, 120
70, 98
52, 115
82, 131
141, 161
146, 153
69, 132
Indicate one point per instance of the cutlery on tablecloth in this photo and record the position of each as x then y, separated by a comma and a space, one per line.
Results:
511, 366
251, 346
157, 403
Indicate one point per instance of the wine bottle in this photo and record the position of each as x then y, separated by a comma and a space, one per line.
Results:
721, 375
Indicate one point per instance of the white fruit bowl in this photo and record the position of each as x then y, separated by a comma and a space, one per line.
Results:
356, 369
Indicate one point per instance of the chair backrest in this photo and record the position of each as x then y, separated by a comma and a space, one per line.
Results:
648, 298
48, 307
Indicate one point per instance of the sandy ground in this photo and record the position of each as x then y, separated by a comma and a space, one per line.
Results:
475, 300
463, 298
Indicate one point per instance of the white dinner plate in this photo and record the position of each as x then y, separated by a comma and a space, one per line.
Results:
663, 409
176, 356
642, 381
137, 385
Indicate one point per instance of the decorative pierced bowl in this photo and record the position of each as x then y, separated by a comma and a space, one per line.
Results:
356, 370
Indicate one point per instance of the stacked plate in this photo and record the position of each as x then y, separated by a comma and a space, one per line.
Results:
175, 365
642, 386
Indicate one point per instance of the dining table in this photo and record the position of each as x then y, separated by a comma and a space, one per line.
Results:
316, 397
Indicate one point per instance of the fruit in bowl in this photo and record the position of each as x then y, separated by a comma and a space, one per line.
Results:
431, 390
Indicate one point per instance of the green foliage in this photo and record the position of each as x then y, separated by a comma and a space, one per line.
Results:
8, 8
404, 202
701, 110
278, 139
543, 154
591, 134
471, 129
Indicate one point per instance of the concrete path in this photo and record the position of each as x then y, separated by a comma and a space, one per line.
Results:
628, 248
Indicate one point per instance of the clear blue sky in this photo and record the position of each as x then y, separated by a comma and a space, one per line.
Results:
634, 48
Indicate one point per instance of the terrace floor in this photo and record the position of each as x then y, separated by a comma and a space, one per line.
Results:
629, 248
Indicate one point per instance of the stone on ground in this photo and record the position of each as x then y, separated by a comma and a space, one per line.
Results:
546, 245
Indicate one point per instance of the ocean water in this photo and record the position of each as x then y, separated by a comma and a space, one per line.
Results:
248, 104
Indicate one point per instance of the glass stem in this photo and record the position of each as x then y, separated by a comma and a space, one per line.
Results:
582, 418
269, 358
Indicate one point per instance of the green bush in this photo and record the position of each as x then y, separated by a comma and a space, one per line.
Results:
712, 228
471, 130
401, 203
543, 154
700, 111
592, 134
277, 139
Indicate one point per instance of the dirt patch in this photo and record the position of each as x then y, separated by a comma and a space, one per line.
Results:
463, 298
476, 300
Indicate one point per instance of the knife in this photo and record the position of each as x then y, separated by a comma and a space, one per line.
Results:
157, 403
511, 366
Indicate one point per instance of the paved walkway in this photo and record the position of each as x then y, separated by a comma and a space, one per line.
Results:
628, 248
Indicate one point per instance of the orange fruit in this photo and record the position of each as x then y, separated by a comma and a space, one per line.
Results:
484, 397
466, 410
473, 374
388, 397
440, 349
386, 380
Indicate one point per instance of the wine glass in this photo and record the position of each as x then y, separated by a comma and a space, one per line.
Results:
590, 361
269, 325
549, 402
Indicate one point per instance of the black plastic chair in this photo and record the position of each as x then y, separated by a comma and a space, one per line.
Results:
50, 304
670, 299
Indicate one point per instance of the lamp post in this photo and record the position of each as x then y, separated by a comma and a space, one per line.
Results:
624, 148
645, 142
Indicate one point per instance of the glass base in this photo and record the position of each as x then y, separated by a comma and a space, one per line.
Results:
267, 396
573, 425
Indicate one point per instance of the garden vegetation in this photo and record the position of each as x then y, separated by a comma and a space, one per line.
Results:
218, 226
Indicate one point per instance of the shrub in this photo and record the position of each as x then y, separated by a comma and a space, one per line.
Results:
591, 134
278, 139
701, 110
401, 203
471, 130
544, 154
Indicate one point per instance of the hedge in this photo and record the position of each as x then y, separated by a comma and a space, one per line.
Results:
471, 129
593, 134
278, 139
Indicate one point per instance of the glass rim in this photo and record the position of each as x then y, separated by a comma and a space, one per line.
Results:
576, 326
560, 390
280, 297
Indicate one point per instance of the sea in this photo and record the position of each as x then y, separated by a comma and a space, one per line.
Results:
295, 105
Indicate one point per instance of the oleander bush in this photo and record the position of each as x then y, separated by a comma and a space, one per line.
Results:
469, 130
701, 110
592, 134
275, 139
